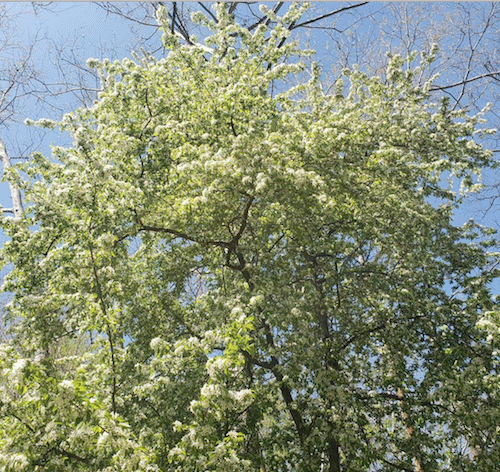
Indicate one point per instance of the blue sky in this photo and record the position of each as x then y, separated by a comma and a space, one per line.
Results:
83, 30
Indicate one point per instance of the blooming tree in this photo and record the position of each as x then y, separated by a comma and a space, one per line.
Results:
265, 277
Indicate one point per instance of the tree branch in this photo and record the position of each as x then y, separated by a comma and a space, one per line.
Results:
180, 234
110, 336
265, 20
462, 82
397, 466
322, 17
202, 5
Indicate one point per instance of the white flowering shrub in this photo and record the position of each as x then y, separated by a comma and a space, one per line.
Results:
269, 277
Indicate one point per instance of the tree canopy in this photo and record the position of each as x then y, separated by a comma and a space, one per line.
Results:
248, 272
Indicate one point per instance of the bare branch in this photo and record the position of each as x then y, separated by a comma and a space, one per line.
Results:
471, 57
336, 12
202, 5
462, 82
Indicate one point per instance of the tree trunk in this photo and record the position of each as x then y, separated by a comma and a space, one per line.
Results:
333, 455
408, 428
15, 193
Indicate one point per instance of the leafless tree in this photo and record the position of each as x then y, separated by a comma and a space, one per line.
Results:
17, 75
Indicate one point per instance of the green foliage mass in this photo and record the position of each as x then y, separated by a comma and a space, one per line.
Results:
257, 276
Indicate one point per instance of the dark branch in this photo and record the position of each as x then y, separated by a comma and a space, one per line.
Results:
180, 234
462, 82
322, 17
264, 364
397, 466
264, 19
102, 301
208, 11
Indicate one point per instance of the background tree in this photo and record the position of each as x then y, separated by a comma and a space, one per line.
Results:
339, 319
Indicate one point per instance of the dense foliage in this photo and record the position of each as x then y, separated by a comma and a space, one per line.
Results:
229, 273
